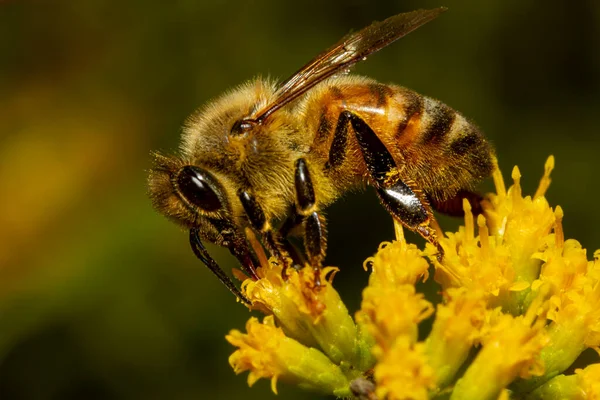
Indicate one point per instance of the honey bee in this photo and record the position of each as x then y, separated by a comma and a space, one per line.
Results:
267, 157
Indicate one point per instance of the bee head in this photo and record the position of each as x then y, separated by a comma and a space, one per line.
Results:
190, 195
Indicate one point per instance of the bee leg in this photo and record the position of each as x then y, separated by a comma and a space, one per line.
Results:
454, 205
315, 237
275, 247
259, 222
292, 222
315, 242
409, 206
337, 151
401, 199
200, 252
239, 247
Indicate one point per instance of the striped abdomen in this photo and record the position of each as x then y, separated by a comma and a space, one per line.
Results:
435, 146
441, 149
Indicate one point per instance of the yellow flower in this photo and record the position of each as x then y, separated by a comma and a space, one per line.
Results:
391, 306
402, 371
584, 384
500, 259
519, 305
589, 381
457, 326
521, 223
574, 305
510, 348
266, 352
315, 317
480, 262
391, 311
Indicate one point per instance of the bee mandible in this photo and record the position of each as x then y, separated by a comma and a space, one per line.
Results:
267, 157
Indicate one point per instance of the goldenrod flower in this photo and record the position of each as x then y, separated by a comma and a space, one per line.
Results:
456, 329
584, 384
391, 306
316, 317
267, 353
510, 348
520, 304
391, 311
402, 371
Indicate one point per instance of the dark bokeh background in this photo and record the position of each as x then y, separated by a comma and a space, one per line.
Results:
100, 297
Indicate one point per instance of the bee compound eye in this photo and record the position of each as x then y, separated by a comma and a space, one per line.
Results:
193, 184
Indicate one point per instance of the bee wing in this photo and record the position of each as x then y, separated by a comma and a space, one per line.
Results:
348, 51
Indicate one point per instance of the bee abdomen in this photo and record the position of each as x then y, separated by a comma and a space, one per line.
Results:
427, 123
442, 150
446, 129
466, 140
438, 121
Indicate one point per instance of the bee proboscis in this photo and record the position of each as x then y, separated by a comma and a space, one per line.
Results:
270, 156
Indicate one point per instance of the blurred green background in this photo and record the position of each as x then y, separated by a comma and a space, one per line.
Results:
100, 297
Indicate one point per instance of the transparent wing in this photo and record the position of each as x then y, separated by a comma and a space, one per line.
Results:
348, 51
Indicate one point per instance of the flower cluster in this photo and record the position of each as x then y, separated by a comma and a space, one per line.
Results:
519, 305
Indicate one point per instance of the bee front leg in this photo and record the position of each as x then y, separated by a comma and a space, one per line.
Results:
403, 200
259, 223
200, 252
315, 236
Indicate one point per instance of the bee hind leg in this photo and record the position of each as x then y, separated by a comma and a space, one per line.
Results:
402, 199
408, 205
